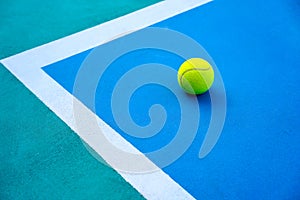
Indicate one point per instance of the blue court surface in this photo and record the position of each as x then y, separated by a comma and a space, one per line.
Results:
255, 46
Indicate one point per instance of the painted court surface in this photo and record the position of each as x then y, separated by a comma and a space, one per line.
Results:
254, 47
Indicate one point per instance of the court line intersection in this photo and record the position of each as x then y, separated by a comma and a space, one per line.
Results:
27, 67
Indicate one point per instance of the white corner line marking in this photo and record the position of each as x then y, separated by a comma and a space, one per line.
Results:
103, 33
26, 66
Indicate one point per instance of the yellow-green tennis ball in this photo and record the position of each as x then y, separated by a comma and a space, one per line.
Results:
195, 76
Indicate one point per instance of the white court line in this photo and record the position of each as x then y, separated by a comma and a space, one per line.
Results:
27, 65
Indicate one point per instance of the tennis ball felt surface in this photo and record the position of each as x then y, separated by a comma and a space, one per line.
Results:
195, 76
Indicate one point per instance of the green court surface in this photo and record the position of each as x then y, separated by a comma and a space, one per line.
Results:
41, 158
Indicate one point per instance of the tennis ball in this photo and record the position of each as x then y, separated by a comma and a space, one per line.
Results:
195, 76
